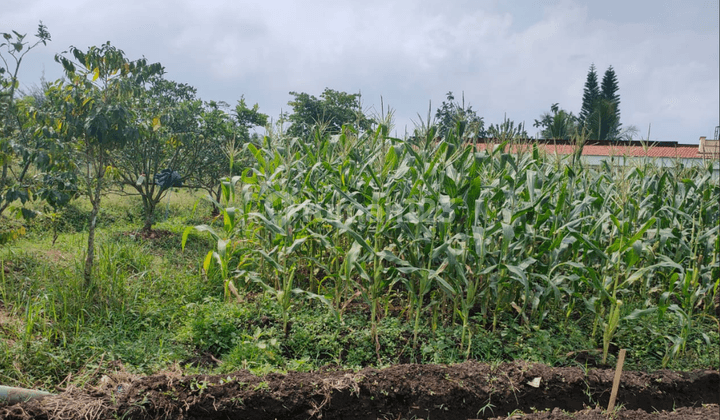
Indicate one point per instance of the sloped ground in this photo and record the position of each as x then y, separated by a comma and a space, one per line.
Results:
465, 391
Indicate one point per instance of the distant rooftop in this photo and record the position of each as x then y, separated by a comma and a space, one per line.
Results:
707, 149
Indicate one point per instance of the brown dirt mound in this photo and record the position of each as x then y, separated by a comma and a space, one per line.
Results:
464, 391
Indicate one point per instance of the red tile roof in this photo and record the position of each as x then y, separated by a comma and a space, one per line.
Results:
683, 151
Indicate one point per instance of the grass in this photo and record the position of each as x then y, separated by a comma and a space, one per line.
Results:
331, 273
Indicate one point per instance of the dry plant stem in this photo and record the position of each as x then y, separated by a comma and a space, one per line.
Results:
616, 381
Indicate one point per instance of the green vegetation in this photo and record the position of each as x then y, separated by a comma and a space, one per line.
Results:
557, 124
600, 111
327, 115
333, 242
321, 281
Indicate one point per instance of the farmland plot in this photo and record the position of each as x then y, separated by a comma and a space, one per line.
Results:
451, 236
338, 256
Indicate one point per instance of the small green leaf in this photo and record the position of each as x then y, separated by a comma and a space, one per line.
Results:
208, 260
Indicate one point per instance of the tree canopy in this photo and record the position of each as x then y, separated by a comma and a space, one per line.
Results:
591, 92
95, 116
557, 124
19, 148
451, 115
600, 111
326, 114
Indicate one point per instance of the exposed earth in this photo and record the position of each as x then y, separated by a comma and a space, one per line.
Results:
465, 391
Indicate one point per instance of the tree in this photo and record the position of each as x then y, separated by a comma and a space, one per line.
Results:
591, 93
557, 124
227, 133
167, 117
327, 114
248, 118
95, 116
452, 115
600, 112
608, 93
602, 124
18, 148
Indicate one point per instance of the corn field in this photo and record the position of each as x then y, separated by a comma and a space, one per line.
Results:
448, 234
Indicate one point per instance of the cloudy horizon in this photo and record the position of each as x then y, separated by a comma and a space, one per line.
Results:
512, 58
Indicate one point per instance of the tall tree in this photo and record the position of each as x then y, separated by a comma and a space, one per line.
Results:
608, 92
95, 116
327, 114
600, 112
453, 115
591, 93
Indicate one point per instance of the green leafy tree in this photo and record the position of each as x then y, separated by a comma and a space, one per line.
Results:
248, 118
19, 150
167, 117
226, 134
456, 116
95, 116
327, 114
557, 124
591, 93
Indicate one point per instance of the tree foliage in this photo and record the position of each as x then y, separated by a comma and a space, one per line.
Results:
327, 114
456, 116
591, 93
95, 116
167, 118
557, 124
600, 112
609, 93
18, 148
227, 133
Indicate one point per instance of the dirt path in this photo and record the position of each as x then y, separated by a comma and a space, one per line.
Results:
465, 391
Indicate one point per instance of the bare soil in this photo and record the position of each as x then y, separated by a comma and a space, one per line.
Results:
469, 390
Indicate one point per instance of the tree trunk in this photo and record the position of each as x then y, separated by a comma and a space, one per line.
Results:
149, 205
95, 200
218, 196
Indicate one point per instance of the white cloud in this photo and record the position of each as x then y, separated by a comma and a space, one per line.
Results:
507, 57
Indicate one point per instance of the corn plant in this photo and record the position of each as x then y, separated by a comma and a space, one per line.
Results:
447, 230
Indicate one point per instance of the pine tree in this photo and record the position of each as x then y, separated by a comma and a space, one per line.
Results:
590, 95
609, 94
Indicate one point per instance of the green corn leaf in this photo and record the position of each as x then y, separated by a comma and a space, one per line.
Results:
208, 229
222, 247
346, 229
185, 235
296, 244
639, 313
390, 257
271, 260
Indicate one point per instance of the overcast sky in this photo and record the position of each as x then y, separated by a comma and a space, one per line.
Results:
513, 57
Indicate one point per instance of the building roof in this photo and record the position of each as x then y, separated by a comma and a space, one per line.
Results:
606, 148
